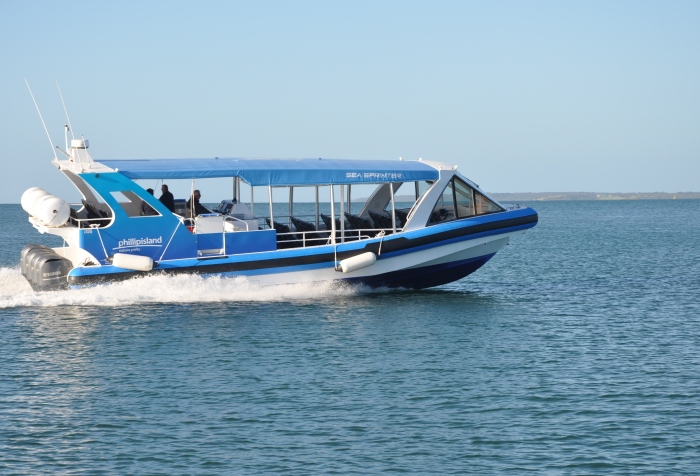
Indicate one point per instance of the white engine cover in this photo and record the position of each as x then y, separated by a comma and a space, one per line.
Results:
30, 197
51, 211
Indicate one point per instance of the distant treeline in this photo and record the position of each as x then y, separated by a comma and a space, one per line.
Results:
541, 196
510, 197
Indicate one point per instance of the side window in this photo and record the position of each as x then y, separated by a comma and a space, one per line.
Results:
459, 200
132, 204
444, 209
464, 195
484, 205
419, 189
399, 197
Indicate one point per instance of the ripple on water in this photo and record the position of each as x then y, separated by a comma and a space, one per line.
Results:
573, 351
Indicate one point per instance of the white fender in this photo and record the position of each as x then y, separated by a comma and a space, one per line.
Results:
135, 262
358, 262
30, 197
51, 211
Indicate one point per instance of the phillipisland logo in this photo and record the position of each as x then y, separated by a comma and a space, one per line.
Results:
374, 175
132, 242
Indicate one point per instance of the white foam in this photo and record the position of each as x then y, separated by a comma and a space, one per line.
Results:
16, 292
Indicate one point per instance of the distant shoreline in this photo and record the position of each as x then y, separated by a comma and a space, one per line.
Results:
565, 196
561, 196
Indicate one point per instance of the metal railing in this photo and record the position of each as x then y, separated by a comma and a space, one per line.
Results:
89, 222
232, 218
302, 239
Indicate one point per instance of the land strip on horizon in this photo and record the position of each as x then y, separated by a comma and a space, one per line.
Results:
542, 196
551, 196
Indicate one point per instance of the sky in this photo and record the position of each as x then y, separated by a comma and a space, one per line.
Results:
524, 96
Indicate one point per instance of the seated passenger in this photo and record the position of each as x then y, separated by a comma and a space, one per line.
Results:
146, 209
194, 208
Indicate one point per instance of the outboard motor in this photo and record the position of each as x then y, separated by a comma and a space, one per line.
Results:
45, 269
24, 259
224, 207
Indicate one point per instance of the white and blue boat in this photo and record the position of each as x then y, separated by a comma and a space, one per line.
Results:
443, 227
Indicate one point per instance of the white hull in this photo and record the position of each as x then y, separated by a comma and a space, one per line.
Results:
438, 255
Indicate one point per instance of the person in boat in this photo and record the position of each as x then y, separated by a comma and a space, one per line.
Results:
146, 209
167, 198
194, 208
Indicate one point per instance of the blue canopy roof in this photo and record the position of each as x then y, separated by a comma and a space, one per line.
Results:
282, 172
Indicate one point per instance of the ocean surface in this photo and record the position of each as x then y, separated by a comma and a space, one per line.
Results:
575, 350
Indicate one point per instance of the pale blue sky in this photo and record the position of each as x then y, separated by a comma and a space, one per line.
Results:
523, 96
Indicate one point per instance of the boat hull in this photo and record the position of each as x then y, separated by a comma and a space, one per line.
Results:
420, 259
425, 276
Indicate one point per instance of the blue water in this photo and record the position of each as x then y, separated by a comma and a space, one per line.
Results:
576, 350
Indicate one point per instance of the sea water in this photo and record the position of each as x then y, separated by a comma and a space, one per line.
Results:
575, 350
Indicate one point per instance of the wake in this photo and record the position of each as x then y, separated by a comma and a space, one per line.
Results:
16, 292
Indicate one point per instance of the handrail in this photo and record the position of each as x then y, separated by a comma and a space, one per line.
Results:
359, 235
229, 217
87, 222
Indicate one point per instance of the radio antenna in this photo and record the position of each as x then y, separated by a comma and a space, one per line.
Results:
66, 110
42, 120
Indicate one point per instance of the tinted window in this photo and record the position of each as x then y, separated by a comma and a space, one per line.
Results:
444, 209
464, 195
484, 205
132, 204
460, 200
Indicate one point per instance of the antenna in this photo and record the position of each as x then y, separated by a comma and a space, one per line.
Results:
65, 133
66, 110
42, 120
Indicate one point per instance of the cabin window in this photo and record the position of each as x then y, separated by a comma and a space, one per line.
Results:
403, 197
484, 205
464, 199
459, 200
444, 209
420, 187
133, 205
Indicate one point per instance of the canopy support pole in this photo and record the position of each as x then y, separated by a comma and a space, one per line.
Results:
252, 201
393, 207
269, 195
192, 201
316, 222
332, 216
342, 214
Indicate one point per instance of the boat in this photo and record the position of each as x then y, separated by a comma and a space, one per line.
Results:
441, 228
